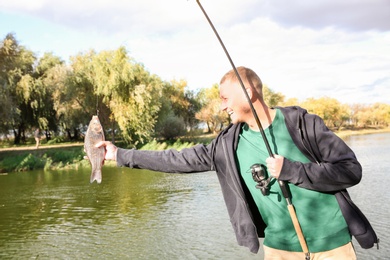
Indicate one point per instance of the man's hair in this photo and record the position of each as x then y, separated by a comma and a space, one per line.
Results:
247, 75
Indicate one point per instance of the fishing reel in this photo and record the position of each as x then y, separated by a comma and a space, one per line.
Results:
259, 176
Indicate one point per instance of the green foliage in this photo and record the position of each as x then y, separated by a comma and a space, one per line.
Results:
376, 115
159, 146
48, 164
122, 89
332, 111
60, 99
154, 145
27, 99
271, 98
30, 162
16, 63
171, 127
68, 155
15, 161
210, 113
178, 102
56, 140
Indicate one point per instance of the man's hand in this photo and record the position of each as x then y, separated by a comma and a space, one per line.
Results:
110, 149
274, 165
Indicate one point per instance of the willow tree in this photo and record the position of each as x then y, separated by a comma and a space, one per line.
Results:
123, 91
131, 93
53, 74
38, 93
16, 63
77, 102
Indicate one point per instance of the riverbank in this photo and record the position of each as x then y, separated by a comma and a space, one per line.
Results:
345, 133
71, 155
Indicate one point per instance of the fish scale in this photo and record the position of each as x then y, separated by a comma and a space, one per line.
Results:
95, 155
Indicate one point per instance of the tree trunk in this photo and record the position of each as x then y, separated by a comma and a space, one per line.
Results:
17, 136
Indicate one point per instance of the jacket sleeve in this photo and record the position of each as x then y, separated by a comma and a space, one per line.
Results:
333, 165
194, 159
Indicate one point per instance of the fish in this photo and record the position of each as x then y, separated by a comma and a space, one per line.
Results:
95, 155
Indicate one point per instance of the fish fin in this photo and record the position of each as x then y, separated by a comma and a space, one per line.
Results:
96, 175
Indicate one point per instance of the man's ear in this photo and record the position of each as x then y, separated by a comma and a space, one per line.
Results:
250, 92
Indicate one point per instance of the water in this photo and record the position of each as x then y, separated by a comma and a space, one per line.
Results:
139, 214
372, 194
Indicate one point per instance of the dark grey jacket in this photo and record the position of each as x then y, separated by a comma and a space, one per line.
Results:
334, 168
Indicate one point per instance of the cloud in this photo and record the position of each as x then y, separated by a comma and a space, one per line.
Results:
354, 15
111, 16
173, 15
301, 48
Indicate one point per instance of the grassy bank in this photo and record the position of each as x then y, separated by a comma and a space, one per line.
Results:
365, 131
71, 155
19, 160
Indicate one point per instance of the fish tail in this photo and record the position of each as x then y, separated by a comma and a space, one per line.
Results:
96, 175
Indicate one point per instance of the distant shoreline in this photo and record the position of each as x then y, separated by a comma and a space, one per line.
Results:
32, 147
346, 133
70, 155
342, 134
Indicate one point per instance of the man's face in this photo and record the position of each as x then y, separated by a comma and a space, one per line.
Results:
234, 102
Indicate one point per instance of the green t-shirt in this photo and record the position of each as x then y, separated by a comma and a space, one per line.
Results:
319, 214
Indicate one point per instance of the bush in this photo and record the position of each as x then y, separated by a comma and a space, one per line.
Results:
30, 162
171, 127
157, 146
56, 140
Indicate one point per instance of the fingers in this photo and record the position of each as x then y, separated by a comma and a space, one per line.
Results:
271, 162
102, 143
274, 165
98, 145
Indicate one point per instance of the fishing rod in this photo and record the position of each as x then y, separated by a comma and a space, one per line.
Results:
282, 184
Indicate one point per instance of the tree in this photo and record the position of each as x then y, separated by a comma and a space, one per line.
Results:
177, 111
130, 92
121, 89
210, 113
330, 110
381, 114
290, 102
16, 68
272, 98
41, 100
194, 107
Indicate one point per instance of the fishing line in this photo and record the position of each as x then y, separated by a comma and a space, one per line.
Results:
97, 105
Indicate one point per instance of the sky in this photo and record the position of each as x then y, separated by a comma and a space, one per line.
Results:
301, 48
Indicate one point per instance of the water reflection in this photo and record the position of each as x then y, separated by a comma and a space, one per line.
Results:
138, 214
133, 214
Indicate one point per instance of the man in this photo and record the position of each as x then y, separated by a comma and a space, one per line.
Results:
317, 165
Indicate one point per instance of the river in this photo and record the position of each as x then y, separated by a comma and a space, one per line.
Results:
139, 214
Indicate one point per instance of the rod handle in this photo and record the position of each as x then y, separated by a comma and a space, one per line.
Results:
298, 229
